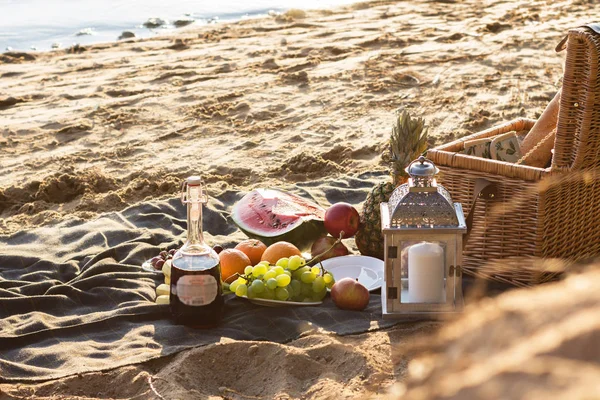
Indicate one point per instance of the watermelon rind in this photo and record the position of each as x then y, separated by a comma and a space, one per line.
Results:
302, 233
302, 236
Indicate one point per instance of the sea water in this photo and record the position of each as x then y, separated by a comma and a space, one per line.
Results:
40, 24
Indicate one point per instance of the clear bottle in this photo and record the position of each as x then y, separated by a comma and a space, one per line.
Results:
196, 291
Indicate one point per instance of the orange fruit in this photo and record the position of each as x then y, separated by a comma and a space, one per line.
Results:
253, 248
232, 261
279, 250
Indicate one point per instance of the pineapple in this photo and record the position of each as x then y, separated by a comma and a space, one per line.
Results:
407, 142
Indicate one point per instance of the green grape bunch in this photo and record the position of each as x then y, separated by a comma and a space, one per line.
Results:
290, 279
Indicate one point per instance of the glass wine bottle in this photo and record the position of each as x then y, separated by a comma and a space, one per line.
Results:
196, 292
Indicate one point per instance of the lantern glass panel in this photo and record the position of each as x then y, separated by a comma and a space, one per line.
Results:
424, 271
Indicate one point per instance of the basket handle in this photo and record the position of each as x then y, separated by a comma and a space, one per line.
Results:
577, 144
483, 189
563, 42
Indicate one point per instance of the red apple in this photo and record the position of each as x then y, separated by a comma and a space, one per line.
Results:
350, 294
341, 217
323, 244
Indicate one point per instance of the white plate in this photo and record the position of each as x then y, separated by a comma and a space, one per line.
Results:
280, 303
368, 270
146, 266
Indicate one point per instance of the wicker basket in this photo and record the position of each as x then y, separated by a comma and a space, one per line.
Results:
536, 214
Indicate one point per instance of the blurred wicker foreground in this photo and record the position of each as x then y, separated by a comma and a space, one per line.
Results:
538, 214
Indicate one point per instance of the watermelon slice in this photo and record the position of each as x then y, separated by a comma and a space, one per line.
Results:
271, 215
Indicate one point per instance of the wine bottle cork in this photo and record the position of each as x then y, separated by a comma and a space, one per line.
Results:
541, 130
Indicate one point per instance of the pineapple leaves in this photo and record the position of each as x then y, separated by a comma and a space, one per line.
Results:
407, 142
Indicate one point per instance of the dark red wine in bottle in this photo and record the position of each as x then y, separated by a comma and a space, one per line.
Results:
196, 291
196, 297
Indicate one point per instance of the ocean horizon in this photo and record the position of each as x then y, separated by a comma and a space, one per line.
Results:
41, 25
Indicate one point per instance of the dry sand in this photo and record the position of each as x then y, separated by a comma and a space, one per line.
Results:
266, 102
88, 130
536, 344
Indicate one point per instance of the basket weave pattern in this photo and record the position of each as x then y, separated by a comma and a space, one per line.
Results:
578, 133
538, 212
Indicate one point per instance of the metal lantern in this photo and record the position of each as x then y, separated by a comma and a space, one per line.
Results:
423, 234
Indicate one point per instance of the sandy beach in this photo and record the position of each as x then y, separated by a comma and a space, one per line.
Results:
293, 98
270, 101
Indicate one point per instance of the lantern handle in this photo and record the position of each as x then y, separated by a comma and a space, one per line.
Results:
483, 189
422, 159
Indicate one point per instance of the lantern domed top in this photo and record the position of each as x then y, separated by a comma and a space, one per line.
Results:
422, 203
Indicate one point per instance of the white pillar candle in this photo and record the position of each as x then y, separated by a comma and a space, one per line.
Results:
425, 273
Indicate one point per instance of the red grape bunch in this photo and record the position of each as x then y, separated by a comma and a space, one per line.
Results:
158, 261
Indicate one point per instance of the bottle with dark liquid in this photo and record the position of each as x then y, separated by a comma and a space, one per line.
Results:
196, 293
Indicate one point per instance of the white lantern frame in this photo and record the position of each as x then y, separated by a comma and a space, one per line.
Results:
422, 211
394, 291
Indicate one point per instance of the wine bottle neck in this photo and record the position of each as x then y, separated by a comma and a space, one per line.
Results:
195, 238
194, 220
